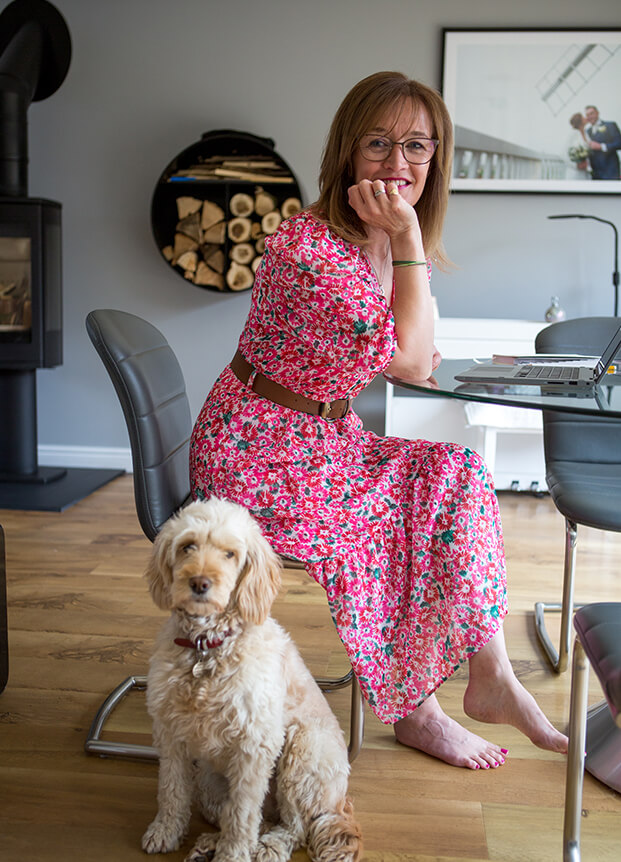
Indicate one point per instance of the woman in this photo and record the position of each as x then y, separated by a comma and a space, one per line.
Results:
578, 148
404, 536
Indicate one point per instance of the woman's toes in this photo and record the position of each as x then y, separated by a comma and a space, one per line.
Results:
489, 760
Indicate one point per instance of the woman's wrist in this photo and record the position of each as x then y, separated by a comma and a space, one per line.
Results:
407, 246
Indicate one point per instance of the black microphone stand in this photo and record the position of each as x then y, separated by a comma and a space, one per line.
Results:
615, 273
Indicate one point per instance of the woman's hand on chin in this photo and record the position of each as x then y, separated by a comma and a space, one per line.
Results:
380, 206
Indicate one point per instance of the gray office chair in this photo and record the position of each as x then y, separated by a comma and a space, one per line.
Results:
149, 383
583, 469
594, 737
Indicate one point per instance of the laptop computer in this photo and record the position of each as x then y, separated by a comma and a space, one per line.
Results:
551, 370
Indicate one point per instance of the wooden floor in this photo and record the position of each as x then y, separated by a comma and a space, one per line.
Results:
80, 621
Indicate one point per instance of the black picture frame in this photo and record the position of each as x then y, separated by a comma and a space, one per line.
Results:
511, 94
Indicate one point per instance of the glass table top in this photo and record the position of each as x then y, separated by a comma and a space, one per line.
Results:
597, 400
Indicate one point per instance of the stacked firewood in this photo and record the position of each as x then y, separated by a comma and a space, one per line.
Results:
222, 249
256, 168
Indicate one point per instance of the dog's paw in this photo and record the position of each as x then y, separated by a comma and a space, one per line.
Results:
272, 848
160, 839
205, 848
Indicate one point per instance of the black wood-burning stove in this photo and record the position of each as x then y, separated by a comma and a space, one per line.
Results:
35, 52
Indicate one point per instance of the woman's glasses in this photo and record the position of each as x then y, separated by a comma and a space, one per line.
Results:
416, 151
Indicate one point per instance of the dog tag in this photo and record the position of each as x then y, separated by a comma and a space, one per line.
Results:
197, 670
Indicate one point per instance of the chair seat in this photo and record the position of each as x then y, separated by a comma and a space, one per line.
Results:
599, 628
587, 493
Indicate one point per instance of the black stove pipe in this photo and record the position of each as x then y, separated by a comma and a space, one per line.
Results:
19, 65
35, 52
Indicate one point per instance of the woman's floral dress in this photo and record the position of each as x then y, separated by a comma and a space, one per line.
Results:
403, 535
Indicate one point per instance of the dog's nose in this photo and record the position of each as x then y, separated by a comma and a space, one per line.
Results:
199, 585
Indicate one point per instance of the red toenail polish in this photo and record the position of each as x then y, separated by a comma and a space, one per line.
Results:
476, 766
505, 750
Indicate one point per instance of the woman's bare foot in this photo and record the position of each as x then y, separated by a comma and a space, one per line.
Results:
495, 695
506, 701
429, 729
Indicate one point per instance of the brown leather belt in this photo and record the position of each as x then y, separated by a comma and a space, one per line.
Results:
273, 391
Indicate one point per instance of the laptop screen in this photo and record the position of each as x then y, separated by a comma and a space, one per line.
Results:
608, 355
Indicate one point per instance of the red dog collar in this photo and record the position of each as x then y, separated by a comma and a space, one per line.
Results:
201, 644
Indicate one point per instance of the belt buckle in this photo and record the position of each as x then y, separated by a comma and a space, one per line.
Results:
326, 406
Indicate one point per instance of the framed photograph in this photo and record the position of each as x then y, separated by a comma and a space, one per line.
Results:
534, 110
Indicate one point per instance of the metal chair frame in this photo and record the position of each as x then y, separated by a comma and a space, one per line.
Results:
153, 475
559, 658
594, 742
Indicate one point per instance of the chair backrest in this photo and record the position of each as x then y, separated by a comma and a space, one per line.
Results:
149, 382
570, 436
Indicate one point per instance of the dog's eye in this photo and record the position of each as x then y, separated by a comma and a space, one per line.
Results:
229, 554
189, 547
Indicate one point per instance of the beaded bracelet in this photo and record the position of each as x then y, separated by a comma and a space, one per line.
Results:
409, 263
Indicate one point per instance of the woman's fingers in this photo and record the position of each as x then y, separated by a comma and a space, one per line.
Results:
379, 189
373, 199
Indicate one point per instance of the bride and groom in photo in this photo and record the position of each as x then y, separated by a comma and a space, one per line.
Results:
594, 147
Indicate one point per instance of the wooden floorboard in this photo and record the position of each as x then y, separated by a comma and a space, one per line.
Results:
81, 620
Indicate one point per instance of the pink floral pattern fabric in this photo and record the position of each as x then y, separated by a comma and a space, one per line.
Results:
404, 536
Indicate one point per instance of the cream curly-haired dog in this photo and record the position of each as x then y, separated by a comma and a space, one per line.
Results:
233, 704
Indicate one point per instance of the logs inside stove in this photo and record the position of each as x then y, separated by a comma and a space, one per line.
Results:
35, 51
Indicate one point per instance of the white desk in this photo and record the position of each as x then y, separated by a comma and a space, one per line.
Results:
509, 438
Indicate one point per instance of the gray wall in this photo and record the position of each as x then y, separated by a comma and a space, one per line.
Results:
148, 77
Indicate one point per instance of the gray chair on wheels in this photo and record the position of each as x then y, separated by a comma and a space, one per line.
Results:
596, 732
150, 385
583, 469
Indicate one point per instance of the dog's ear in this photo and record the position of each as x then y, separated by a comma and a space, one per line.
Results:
259, 581
159, 571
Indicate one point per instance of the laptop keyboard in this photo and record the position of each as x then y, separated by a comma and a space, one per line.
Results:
551, 372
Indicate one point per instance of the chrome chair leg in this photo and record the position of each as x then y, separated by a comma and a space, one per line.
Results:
105, 748
356, 724
559, 659
576, 754
356, 727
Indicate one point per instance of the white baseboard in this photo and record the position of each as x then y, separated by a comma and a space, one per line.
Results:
94, 457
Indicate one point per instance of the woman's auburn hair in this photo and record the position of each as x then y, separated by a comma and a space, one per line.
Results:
360, 111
